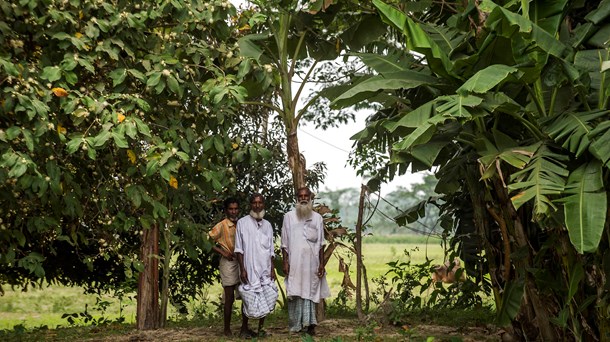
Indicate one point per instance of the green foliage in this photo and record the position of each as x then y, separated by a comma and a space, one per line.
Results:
113, 120
410, 289
518, 100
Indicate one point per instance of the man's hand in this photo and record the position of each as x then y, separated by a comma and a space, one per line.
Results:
273, 273
321, 271
229, 255
286, 267
243, 276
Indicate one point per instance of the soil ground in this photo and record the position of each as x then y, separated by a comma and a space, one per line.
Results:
329, 330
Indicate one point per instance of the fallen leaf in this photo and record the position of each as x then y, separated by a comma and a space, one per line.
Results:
120, 117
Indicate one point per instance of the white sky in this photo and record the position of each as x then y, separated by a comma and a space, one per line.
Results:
332, 147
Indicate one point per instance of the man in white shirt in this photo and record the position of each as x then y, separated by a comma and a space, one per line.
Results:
303, 263
254, 251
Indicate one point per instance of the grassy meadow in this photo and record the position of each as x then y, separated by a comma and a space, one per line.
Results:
45, 307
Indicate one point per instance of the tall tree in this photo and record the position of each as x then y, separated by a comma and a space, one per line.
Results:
112, 127
508, 103
288, 42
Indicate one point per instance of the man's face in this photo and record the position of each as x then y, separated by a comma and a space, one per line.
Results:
303, 197
257, 204
232, 211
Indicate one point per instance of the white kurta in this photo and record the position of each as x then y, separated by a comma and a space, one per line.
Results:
254, 240
302, 239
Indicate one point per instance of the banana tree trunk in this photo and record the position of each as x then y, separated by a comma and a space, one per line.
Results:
535, 315
147, 312
296, 161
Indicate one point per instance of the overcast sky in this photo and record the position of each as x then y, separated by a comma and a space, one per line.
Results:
332, 147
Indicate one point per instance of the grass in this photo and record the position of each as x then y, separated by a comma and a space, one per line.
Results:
45, 307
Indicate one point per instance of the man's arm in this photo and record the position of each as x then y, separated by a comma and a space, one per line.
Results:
285, 263
223, 252
243, 274
272, 271
321, 270
284, 242
239, 253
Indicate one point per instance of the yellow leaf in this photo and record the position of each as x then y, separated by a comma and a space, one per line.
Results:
120, 117
235, 146
80, 15
78, 35
173, 182
61, 129
132, 156
59, 92
244, 28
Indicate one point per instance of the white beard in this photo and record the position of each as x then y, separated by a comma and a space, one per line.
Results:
259, 216
304, 210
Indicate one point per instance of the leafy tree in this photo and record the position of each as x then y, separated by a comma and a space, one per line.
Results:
508, 103
113, 126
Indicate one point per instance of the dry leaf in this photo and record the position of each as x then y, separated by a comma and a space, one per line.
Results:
173, 182
59, 92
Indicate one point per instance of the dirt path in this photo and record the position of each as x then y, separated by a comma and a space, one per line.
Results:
328, 330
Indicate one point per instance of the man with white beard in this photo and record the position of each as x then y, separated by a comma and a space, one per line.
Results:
303, 263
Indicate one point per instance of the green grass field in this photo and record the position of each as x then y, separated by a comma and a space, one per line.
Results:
40, 307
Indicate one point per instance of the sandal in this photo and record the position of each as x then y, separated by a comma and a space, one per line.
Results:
247, 334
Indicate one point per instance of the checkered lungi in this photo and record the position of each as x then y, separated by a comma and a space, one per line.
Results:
301, 313
260, 302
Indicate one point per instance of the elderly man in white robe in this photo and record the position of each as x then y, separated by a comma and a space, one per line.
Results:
254, 251
303, 263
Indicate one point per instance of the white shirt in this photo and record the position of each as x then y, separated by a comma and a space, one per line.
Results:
254, 240
302, 240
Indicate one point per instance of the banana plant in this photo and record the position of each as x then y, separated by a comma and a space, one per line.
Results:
508, 103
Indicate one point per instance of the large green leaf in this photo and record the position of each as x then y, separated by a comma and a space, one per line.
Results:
421, 135
543, 177
391, 81
602, 12
418, 40
363, 32
571, 130
585, 206
457, 106
248, 46
392, 62
548, 14
511, 302
504, 149
600, 146
414, 118
486, 79
507, 24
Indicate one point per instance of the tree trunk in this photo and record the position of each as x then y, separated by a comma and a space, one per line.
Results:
147, 315
358, 247
167, 257
296, 161
536, 314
